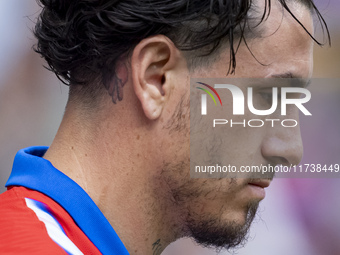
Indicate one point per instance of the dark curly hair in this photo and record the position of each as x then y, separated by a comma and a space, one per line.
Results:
81, 40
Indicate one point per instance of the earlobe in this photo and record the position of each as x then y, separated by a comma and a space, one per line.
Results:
151, 64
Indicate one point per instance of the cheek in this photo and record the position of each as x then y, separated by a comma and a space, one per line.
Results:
216, 199
207, 194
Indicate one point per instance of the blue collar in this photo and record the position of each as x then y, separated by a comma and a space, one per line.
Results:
32, 171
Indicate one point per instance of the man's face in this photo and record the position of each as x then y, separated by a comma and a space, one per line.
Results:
219, 211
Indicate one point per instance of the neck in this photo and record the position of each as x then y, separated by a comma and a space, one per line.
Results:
117, 176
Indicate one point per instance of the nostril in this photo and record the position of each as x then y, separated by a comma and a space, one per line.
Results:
274, 160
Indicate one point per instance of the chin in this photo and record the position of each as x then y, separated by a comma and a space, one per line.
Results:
227, 230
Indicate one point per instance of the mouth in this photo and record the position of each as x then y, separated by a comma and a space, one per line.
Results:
262, 183
257, 186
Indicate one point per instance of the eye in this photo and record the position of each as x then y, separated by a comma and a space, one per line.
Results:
263, 97
267, 96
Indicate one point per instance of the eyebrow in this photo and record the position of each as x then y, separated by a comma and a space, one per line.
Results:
300, 82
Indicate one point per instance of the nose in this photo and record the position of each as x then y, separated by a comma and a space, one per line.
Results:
283, 145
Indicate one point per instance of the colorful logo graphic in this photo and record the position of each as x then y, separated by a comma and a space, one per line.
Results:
204, 97
208, 86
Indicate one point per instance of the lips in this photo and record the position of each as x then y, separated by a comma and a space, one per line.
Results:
263, 183
257, 186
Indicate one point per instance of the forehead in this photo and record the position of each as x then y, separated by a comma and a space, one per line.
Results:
279, 44
276, 18
281, 32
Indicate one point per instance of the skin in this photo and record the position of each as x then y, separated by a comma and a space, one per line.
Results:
133, 157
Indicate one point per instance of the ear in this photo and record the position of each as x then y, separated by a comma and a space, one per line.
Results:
152, 63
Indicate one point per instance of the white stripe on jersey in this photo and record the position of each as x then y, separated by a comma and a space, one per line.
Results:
53, 227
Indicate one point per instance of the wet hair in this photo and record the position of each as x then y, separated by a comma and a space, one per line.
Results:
81, 40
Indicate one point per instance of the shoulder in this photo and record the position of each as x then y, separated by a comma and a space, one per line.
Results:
21, 230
